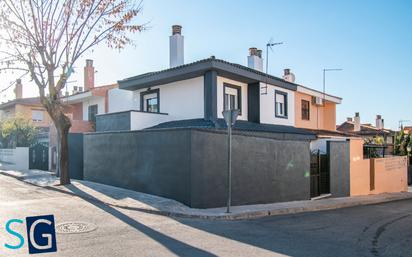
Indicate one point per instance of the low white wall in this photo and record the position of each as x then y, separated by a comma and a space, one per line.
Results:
15, 159
321, 143
142, 120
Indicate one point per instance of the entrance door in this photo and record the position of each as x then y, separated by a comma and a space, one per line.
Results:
39, 157
319, 174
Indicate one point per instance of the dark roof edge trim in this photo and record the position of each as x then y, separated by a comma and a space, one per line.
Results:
198, 69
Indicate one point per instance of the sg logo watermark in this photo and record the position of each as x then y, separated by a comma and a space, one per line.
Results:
41, 234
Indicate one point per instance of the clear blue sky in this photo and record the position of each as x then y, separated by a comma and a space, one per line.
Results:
370, 40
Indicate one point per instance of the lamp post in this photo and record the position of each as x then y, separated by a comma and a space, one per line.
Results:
324, 80
408, 149
230, 118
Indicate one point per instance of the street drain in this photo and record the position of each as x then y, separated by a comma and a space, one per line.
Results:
75, 227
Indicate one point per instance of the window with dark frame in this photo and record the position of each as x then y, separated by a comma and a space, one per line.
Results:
92, 109
232, 97
305, 110
281, 104
149, 101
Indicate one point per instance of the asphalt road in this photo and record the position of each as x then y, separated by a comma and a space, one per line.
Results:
375, 230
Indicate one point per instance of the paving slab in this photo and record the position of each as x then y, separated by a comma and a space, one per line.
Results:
132, 200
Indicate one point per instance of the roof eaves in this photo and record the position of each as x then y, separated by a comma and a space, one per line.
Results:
197, 69
319, 92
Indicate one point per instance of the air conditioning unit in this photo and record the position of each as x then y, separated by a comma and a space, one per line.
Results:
75, 90
317, 100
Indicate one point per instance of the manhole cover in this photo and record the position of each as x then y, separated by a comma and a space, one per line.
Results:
75, 227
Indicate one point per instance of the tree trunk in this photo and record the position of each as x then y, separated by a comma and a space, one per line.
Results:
62, 124
63, 134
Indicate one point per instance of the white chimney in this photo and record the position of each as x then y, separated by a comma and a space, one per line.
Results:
357, 126
254, 60
176, 47
288, 76
379, 122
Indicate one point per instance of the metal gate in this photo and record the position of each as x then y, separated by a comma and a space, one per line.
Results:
39, 157
319, 174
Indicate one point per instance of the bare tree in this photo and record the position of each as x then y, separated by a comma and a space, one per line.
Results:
44, 38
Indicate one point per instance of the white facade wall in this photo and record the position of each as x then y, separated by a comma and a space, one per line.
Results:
92, 101
142, 120
267, 106
15, 159
180, 100
121, 100
220, 82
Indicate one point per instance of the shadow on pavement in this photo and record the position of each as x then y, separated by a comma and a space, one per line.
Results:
176, 246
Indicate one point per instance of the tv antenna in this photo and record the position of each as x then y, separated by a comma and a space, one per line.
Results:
270, 46
401, 123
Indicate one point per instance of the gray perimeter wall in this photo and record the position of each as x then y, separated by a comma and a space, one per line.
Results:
191, 166
76, 155
146, 161
263, 170
339, 161
119, 121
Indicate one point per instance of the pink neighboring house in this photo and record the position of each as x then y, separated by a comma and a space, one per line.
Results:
82, 106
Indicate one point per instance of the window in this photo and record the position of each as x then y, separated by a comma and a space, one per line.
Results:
281, 104
305, 110
232, 97
92, 112
149, 101
37, 115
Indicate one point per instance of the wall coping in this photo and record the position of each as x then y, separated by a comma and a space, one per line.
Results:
115, 113
206, 130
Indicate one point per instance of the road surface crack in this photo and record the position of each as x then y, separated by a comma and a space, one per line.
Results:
380, 231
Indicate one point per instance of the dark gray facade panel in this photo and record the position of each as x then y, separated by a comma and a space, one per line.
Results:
75, 141
253, 102
119, 121
264, 170
339, 166
210, 95
145, 161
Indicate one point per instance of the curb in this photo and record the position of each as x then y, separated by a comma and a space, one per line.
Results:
228, 217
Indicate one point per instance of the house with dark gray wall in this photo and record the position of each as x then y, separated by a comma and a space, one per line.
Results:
164, 133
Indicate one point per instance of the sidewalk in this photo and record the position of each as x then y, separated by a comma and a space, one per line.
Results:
132, 200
